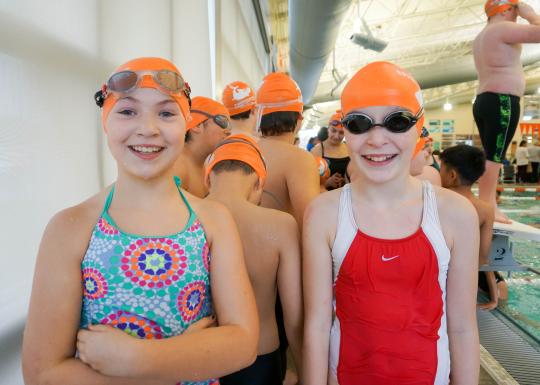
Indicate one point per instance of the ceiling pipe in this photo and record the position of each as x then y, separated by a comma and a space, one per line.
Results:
313, 29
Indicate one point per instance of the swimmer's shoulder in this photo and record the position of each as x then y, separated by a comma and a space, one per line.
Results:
212, 214
281, 224
454, 209
71, 228
324, 207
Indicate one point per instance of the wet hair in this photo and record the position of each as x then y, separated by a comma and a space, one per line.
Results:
277, 123
242, 115
232, 165
469, 162
322, 135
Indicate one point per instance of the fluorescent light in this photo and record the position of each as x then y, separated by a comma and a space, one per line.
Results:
526, 118
447, 106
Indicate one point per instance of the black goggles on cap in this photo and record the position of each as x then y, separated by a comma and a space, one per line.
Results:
220, 120
396, 122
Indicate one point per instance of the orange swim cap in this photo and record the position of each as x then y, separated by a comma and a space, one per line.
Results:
334, 118
210, 106
238, 97
238, 147
493, 7
278, 92
383, 84
147, 64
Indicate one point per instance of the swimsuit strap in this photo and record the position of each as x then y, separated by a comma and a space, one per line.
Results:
322, 149
109, 200
178, 183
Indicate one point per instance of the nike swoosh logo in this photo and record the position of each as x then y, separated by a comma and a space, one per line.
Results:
388, 259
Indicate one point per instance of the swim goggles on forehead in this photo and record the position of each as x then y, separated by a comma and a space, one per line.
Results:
243, 141
124, 82
396, 122
220, 120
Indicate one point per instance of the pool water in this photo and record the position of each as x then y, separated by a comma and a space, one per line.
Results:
523, 304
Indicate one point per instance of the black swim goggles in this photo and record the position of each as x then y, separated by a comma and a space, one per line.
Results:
220, 120
396, 122
169, 82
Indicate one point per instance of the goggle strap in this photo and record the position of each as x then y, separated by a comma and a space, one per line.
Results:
239, 140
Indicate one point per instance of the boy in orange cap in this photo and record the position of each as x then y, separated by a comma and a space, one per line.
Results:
236, 173
239, 99
389, 282
501, 84
293, 179
209, 125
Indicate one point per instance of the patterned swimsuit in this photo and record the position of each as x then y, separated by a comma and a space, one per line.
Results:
149, 287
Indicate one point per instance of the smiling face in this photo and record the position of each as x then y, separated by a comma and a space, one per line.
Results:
145, 133
380, 155
336, 134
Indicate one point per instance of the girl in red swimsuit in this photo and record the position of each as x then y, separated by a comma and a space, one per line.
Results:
389, 282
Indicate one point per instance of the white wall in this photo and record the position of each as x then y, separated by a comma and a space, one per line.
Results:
241, 49
49, 139
53, 57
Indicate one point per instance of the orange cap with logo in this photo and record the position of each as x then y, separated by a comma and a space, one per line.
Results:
238, 97
147, 64
335, 118
383, 84
210, 106
238, 147
493, 7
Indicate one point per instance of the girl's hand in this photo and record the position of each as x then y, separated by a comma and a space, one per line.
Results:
108, 350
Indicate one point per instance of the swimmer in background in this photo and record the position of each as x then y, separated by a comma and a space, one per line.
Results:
236, 173
501, 84
209, 125
335, 152
239, 99
461, 166
421, 163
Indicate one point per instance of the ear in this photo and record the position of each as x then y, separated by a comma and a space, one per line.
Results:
256, 193
454, 177
198, 128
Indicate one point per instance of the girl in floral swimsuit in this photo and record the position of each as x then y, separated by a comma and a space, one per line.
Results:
137, 264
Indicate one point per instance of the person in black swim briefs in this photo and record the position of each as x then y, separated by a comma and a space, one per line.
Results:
501, 83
